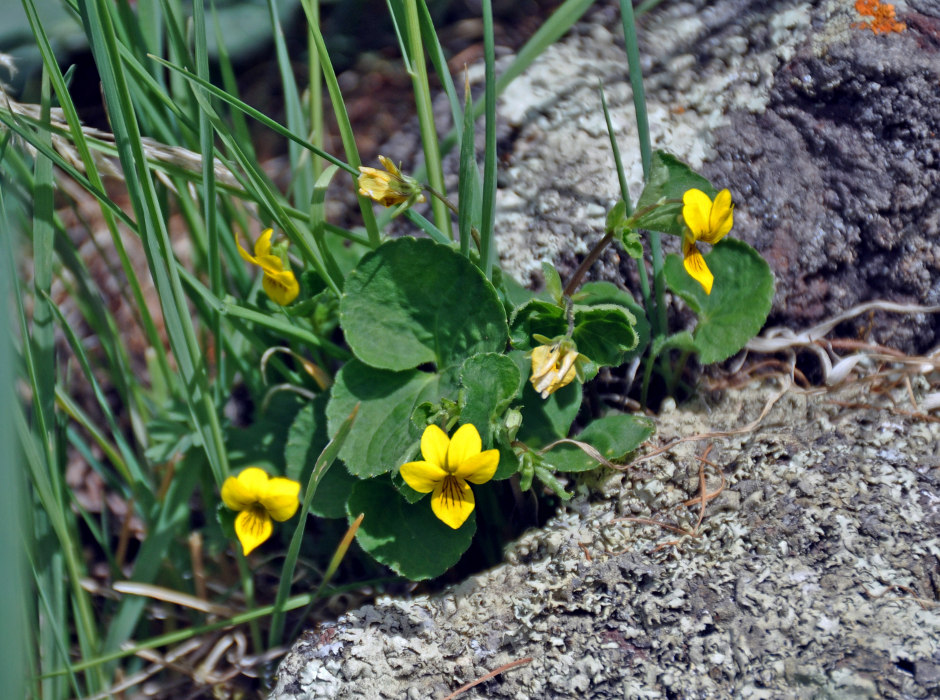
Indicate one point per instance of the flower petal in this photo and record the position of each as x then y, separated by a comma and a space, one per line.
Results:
696, 209
464, 444
452, 501
389, 165
244, 253
263, 244
253, 526
281, 286
239, 493
423, 477
280, 498
479, 468
374, 184
434, 442
695, 265
720, 218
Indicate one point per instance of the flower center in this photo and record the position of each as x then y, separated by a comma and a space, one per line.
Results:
254, 524
450, 491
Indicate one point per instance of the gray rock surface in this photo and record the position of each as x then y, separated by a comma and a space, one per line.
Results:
826, 134
815, 574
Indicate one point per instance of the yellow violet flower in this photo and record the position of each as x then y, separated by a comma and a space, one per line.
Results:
449, 463
279, 282
389, 187
553, 366
705, 221
259, 498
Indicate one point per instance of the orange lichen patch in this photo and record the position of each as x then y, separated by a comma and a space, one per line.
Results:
883, 20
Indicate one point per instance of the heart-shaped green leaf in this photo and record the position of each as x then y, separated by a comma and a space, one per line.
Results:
414, 301
383, 437
596, 293
736, 309
613, 436
306, 439
489, 381
406, 537
604, 333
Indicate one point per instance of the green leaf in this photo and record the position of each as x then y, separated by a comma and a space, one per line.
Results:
536, 317
411, 301
677, 341
604, 333
306, 438
736, 309
547, 420
632, 245
616, 217
553, 283
669, 179
408, 538
383, 437
613, 436
490, 381
596, 293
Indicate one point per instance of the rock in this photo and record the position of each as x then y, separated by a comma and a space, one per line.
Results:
818, 577
825, 132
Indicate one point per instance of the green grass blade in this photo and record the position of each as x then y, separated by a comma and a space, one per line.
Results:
153, 230
209, 207
323, 463
257, 115
16, 607
318, 220
468, 176
488, 219
300, 163
432, 44
81, 145
422, 92
657, 317
343, 124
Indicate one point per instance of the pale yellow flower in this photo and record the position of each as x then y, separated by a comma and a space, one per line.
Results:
278, 282
259, 498
707, 221
389, 187
553, 366
449, 463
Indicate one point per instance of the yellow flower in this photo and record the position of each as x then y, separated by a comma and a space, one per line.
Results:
705, 221
449, 463
389, 187
553, 366
259, 498
279, 282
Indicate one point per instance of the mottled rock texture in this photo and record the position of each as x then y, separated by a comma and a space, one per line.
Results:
815, 574
827, 134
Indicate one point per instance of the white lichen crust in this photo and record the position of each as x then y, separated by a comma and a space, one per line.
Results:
815, 574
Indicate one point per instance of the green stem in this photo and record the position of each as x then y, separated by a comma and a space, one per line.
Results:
429, 141
248, 588
488, 217
453, 207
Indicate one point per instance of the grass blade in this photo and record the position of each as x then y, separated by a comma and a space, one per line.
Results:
323, 463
